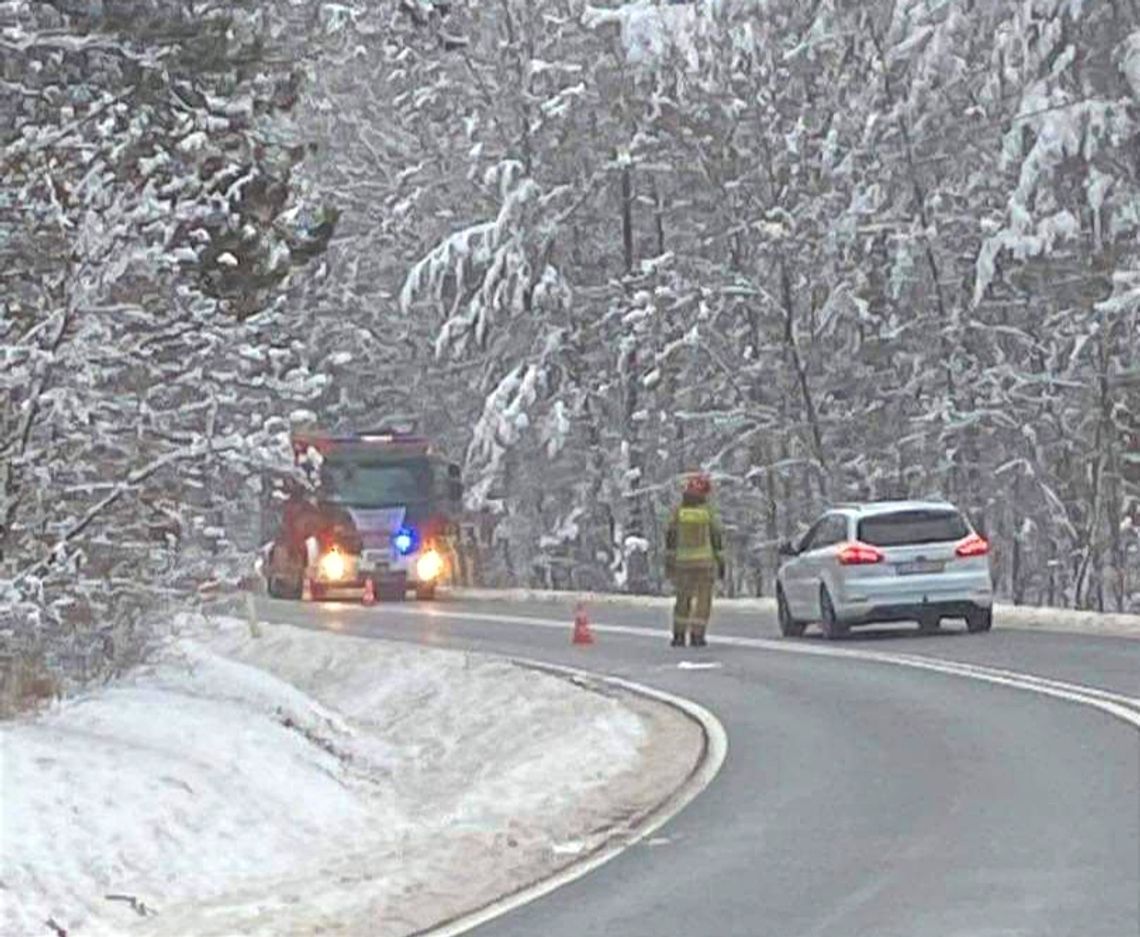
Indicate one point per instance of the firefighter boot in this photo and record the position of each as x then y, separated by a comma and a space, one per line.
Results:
678, 637
698, 637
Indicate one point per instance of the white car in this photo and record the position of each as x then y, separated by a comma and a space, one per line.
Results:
886, 561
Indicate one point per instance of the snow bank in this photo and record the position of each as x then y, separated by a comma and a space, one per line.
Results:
650, 31
1005, 616
1066, 619
301, 781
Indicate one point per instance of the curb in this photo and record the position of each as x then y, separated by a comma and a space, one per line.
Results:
619, 838
1072, 621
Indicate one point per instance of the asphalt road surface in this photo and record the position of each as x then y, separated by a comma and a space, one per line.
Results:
858, 797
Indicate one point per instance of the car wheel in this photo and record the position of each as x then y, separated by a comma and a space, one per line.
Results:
280, 587
789, 627
394, 590
929, 623
283, 589
296, 589
980, 620
272, 581
832, 627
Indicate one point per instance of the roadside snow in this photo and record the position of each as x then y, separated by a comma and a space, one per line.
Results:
303, 781
1065, 619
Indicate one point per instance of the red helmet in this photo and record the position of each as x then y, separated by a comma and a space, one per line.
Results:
698, 484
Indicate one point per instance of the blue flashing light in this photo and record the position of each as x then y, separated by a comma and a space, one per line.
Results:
404, 540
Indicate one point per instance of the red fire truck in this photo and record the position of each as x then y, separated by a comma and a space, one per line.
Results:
385, 508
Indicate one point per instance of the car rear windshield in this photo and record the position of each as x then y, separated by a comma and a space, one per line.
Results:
906, 527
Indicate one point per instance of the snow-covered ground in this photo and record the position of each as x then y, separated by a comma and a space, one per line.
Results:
300, 782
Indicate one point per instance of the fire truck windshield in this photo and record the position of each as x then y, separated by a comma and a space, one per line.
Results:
374, 484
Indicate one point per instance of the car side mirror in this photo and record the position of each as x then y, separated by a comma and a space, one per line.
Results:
787, 548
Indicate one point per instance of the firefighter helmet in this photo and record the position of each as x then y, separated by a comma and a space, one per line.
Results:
698, 483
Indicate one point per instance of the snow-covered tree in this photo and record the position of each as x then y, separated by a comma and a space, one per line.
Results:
149, 223
826, 250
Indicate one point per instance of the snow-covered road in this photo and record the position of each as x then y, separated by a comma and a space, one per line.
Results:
299, 781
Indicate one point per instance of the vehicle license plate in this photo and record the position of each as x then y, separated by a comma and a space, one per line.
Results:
374, 559
919, 567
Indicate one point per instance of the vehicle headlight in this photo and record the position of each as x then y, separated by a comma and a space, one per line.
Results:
429, 566
332, 565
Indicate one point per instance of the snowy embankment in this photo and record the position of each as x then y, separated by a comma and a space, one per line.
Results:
1005, 616
301, 782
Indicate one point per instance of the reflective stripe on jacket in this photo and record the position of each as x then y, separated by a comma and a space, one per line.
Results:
694, 533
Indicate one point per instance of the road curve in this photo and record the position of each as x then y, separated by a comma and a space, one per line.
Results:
858, 797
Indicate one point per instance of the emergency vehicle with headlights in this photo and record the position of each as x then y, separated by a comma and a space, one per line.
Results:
384, 517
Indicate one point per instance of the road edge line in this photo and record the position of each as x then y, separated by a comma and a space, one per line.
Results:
1012, 617
712, 757
1114, 704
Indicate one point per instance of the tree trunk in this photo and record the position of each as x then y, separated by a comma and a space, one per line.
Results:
627, 216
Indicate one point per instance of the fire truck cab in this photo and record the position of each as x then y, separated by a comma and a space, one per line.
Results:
385, 512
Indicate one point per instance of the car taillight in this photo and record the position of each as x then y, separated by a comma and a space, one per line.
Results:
859, 554
973, 545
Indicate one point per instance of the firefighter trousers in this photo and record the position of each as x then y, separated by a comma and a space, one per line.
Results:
693, 606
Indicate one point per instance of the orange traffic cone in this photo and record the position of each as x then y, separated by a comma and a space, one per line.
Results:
306, 589
582, 632
369, 597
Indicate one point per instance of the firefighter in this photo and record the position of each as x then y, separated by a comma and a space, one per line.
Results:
693, 559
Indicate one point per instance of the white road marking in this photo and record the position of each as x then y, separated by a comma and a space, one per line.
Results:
716, 748
1119, 706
